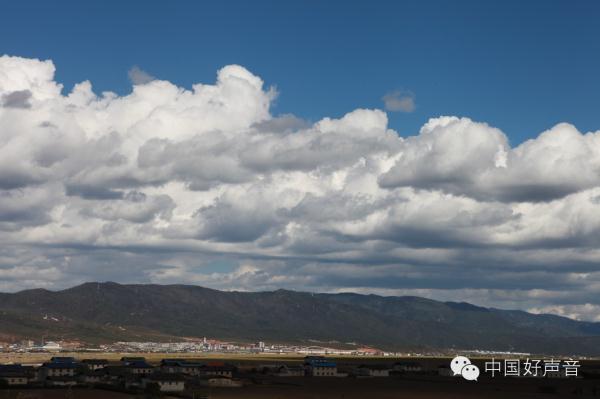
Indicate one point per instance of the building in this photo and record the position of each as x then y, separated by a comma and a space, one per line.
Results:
139, 367
291, 371
94, 364
373, 371
218, 369
181, 366
62, 359
93, 376
27, 343
319, 366
51, 346
217, 381
408, 367
112, 373
14, 379
132, 359
57, 369
166, 382
15, 374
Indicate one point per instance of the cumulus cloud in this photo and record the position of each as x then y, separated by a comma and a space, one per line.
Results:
17, 99
463, 157
399, 101
586, 311
159, 184
138, 76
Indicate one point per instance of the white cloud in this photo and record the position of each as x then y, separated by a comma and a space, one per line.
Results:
151, 185
138, 76
463, 157
399, 101
586, 311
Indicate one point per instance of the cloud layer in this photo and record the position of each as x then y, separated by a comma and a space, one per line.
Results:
206, 186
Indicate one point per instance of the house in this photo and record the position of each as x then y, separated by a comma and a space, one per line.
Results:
220, 381
93, 376
139, 367
323, 370
373, 371
57, 369
14, 379
290, 371
181, 366
218, 369
166, 382
62, 359
94, 364
319, 366
408, 367
171, 365
312, 359
132, 359
267, 368
51, 347
113, 373
15, 374
131, 382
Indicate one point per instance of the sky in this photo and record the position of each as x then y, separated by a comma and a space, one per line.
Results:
522, 66
443, 149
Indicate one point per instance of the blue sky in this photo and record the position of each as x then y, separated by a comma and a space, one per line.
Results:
520, 66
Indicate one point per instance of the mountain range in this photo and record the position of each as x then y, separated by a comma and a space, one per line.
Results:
108, 312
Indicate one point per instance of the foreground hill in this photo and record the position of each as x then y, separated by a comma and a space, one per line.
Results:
106, 312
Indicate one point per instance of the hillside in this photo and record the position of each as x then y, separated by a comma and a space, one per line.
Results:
106, 312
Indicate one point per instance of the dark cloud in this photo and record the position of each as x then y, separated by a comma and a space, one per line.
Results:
93, 193
11, 178
17, 99
227, 222
282, 124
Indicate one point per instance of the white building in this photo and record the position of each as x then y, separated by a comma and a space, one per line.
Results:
166, 382
51, 346
223, 382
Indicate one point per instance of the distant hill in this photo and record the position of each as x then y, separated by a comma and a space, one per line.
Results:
107, 312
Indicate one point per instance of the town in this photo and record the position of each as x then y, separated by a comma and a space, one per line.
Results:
197, 367
192, 377
191, 346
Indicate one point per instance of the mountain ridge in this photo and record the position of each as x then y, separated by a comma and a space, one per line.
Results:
101, 312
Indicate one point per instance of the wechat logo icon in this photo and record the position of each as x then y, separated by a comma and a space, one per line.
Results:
461, 365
